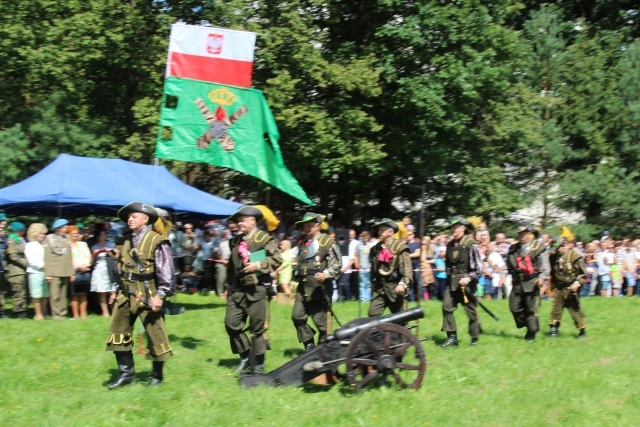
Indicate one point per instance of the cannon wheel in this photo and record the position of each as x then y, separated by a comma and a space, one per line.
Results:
385, 350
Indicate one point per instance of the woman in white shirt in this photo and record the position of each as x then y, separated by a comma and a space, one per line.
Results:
34, 252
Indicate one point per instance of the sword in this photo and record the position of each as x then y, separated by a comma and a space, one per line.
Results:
475, 300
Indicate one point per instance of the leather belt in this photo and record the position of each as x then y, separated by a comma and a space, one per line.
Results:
137, 277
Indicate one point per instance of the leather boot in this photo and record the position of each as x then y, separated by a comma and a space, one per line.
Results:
2, 315
553, 332
530, 336
309, 345
156, 374
474, 342
259, 368
21, 315
582, 334
452, 340
244, 362
127, 371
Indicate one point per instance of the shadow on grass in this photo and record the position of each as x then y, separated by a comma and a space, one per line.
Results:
292, 352
187, 342
227, 363
188, 307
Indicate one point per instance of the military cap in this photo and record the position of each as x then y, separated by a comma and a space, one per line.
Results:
144, 208
310, 217
529, 228
60, 222
458, 219
246, 211
16, 226
387, 223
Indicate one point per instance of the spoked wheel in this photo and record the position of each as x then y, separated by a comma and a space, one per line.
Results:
388, 352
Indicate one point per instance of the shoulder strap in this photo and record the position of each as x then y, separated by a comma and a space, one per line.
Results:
324, 240
260, 236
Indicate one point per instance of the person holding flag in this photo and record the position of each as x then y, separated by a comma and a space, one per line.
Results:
318, 264
254, 258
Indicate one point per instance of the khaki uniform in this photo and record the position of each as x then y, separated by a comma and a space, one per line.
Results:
247, 292
58, 265
313, 298
462, 260
127, 308
567, 269
16, 273
385, 277
524, 300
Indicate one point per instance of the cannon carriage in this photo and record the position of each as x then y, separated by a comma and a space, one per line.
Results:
373, 349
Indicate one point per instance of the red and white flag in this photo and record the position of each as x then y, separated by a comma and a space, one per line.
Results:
211, 54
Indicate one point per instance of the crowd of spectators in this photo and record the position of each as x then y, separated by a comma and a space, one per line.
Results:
201, 253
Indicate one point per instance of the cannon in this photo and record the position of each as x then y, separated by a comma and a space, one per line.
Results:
380, 348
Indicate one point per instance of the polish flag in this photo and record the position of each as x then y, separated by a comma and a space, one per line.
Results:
211, 55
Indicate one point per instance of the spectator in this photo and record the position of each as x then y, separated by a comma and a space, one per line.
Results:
221, 264
365, 266
16, 269
415, 247
189, 280
81, 259
3, 247
58, 267
349, 263
482, 235
285, 271
102, 281
38, 287
604, 259
497, 266
628, 257
441, 273
616, 270
189, 244
591, 263
426, 268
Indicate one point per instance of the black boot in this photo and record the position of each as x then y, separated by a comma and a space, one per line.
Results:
530, 336
582, 334
309, 345
2, 315
127, 371
156, 375
474, 342
244, 362
21, 315
259, 368
553, 332
452, 340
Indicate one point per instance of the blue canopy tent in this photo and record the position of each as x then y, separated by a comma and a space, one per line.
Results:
73, 186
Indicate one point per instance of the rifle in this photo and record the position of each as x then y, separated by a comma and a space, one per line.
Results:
473, 299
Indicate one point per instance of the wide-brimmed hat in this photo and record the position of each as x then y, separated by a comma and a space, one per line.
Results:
310, 217
60, 222
386, 222
529, 228
458, 219
16, 226
144, 208
246, 211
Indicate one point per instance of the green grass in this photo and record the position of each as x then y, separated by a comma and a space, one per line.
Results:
54, 374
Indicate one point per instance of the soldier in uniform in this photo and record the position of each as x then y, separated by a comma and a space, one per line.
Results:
147, 278
529, 267
254, 257
3, 247
391, 272
58, 267
317, 266
16, 273
568, 274
464, 267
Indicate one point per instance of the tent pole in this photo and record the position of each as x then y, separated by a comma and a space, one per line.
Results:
155, 181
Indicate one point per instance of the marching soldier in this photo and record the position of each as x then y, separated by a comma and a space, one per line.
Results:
318, 265
16, 269
254, 257
391, 272
568, 274
529, 268
464, 267
148, 277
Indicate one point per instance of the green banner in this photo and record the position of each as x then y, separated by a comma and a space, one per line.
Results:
223, 126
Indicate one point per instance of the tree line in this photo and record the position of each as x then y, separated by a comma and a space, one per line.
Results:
490, 106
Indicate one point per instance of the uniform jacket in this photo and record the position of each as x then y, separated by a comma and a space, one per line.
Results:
57, 256
399, 268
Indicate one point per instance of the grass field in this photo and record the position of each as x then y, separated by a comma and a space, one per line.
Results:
54, 374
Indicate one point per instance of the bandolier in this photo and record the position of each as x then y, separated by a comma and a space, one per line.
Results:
137, 289
527, 263
313, 297
567, 269
385, 277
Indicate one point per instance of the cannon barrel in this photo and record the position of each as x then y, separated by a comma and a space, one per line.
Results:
349, 330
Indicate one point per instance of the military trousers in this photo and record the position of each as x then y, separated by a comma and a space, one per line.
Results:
450, 303
380, 300
18, 286
239, 308
524, 307
317, 309
221, 278
566, 298
58, 288
125, 313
